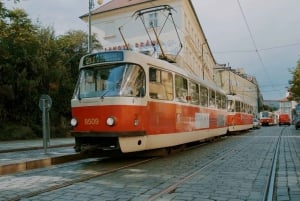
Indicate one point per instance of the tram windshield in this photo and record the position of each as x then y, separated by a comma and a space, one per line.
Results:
111, 80
265, 114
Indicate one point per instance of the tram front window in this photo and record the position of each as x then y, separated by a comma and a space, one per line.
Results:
112, 80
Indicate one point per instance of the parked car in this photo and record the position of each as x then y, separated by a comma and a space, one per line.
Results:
284, 119
297, 123
257, 125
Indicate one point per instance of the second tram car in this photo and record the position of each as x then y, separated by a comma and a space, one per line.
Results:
240, 114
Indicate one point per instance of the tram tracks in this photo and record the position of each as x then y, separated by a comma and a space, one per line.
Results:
269, 189
173, 187
78, 180
269, 192
201, 171
88, 177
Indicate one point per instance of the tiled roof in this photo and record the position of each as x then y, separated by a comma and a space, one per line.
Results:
116, 4
284, 100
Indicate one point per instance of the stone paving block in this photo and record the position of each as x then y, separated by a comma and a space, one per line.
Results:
282, 191
255, 195
294, 197
283, 198
183, 197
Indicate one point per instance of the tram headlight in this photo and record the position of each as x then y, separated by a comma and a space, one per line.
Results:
74, 122
110, 121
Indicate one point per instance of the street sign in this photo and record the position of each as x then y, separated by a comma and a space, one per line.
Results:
45, 102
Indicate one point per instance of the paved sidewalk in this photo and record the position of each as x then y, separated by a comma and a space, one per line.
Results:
22, 155
6, 146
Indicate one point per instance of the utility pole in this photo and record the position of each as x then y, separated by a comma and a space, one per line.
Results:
91, 6
90, 40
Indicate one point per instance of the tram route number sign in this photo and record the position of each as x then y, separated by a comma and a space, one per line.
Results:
102, 57
45, 101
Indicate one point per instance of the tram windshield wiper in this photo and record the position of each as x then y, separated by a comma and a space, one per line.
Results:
105, 92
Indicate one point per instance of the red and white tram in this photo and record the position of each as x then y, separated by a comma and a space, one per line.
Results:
267, 118
131, 102
240, 114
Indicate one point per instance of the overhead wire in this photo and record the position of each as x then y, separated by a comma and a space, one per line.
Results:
262, 49
255, 50
254, 43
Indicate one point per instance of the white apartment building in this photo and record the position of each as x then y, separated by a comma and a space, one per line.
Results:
120, 15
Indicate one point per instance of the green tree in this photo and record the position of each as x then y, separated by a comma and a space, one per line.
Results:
19, 46
33, 61
294, 88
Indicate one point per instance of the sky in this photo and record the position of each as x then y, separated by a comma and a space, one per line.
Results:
262, 37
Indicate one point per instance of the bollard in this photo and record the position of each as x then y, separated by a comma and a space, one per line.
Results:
45, 104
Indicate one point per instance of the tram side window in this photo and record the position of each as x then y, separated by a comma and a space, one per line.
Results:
242, 107
230, 106
203, 96
251, 109
212, 98
223, 102
181, 88
246, 108
237, 106
218, 100
194, 93
161, 84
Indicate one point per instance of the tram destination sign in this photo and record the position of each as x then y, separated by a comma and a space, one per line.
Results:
102, 57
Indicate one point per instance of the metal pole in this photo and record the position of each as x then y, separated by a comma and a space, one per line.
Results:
44, 126
48, 127
91, 5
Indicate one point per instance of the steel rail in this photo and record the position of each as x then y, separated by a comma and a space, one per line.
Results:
82, 179
269, 191
173, 187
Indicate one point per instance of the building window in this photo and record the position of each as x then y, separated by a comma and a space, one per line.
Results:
109, 28
153, 21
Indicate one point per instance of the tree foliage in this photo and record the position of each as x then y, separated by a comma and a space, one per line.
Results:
295, 84
33, 61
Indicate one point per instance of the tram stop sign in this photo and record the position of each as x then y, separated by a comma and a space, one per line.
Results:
45, 102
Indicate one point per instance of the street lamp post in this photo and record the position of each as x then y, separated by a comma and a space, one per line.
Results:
91, 6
